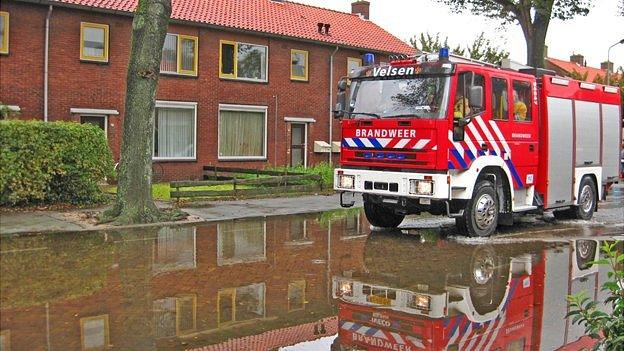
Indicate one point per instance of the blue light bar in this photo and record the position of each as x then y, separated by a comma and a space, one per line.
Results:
369, 59
443, 54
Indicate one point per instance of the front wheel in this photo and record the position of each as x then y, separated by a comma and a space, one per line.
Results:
481, 214
380, 216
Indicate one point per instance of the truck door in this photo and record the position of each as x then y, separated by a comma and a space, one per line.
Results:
513, 113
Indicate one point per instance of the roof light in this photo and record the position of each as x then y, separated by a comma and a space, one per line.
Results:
443, 54
369, 59
560, 81
612, 90
587, 86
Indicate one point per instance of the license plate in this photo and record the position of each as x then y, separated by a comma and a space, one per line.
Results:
379, 300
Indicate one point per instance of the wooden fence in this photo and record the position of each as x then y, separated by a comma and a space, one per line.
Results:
265, 182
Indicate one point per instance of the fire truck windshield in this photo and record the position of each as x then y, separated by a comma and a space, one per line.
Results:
420, 97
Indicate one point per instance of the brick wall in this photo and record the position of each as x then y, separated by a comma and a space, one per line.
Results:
76, 84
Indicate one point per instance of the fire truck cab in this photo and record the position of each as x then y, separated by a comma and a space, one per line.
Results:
474, 142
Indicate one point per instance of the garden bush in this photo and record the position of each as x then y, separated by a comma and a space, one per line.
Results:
55, 162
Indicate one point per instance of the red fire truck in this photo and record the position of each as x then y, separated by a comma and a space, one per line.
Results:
504, 297
474, 142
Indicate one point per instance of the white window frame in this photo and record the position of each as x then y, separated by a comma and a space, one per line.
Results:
244, 108
97, 115
235, 74
181, 105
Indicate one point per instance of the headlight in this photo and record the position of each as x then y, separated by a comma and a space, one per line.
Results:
421, 302
346, 181
421, 187
345, 289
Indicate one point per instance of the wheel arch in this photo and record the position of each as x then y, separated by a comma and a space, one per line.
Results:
593, 173
467, 180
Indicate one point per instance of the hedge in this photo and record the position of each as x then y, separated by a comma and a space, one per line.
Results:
55, 162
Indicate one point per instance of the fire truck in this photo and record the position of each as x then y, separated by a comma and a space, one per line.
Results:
500, 297
474, 142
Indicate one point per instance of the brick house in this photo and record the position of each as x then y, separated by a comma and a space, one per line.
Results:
578, 66
242, 84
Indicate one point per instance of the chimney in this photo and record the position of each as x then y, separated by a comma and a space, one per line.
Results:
607, 66
361, 8
578, 59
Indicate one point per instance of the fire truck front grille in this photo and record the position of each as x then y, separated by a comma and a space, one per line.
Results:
393, 187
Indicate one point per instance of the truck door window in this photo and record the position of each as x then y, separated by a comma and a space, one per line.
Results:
461, 105
522, 101
500, 99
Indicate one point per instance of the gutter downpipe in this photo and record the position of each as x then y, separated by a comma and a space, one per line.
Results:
45, 64
331, 104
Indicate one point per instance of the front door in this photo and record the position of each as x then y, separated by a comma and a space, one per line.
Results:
298, 144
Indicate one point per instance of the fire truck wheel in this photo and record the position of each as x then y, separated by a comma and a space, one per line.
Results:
587, 200
481, 213
380, 216
488, 280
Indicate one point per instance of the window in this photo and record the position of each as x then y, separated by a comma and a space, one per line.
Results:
175, 315
174, 249
296, 295
93, 42
243, 61
500, 99
179, 55
174, 130
4, 32
241, 242
466, 81
94, 332
299, 65
353, 63
100, 121
242, 132
241, 304
522, 101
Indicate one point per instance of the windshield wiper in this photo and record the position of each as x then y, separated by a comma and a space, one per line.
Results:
349, 113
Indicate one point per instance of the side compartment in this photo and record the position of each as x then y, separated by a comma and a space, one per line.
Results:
560, 147
610, 142
587, 120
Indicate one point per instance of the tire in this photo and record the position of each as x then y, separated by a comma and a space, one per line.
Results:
587, 200
380, 216
585, 253
487, 279
481, 213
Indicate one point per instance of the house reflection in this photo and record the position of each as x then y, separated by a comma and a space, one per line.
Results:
222, 285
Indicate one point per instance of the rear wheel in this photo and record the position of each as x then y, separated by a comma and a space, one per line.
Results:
587, 200
380, 216
481, 214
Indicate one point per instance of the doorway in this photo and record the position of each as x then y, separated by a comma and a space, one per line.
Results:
298, 137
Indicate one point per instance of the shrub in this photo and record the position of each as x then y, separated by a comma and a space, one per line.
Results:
56, 162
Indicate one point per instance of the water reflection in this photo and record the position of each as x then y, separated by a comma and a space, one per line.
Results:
244, 285
318, 281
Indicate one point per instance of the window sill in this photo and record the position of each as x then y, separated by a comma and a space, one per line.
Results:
179, 75
97, 62
241, 158
173, 159
245, 80
299, 80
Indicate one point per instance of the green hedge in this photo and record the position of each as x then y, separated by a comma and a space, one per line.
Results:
56, 162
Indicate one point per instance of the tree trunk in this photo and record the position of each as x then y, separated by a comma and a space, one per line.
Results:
134, 197
535, 36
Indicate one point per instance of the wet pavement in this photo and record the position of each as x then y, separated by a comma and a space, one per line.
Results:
320, 281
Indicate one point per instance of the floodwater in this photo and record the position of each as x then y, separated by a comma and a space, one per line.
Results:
305, 282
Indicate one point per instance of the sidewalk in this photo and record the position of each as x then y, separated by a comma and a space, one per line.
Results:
67, 221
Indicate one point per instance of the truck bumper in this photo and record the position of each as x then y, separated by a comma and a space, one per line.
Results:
391, 184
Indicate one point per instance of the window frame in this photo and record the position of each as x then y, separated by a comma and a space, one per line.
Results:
234, 76
243, 108
299, 283
529, 104
305, 77
193, 298
98, 116
353, 59
106, 331
105, 27
4, 45
179, 71
181, 105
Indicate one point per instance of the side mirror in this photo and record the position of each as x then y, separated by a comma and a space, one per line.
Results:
341, 101
476, 97
458, 132
342, 84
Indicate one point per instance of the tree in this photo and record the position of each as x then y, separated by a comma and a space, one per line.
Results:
533, 16
621, 8
480, 49
134, 203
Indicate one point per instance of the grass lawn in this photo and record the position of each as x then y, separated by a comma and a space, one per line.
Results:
160, 191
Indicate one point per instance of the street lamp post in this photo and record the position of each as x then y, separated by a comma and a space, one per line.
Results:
609, 59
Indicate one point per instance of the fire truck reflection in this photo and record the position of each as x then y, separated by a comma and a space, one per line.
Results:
452, 296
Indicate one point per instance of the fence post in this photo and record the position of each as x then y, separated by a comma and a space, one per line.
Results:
234, 186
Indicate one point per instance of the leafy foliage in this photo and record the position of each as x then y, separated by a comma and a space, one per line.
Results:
57, 162
480, 49
6, 112
607, 328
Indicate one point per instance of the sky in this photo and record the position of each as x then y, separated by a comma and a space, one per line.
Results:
590, 36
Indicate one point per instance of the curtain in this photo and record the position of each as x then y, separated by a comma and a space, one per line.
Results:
93, 42
170, 54
188, 55
241, 133
299, 64
175, 132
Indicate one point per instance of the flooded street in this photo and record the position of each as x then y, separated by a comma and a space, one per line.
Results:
303, 282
